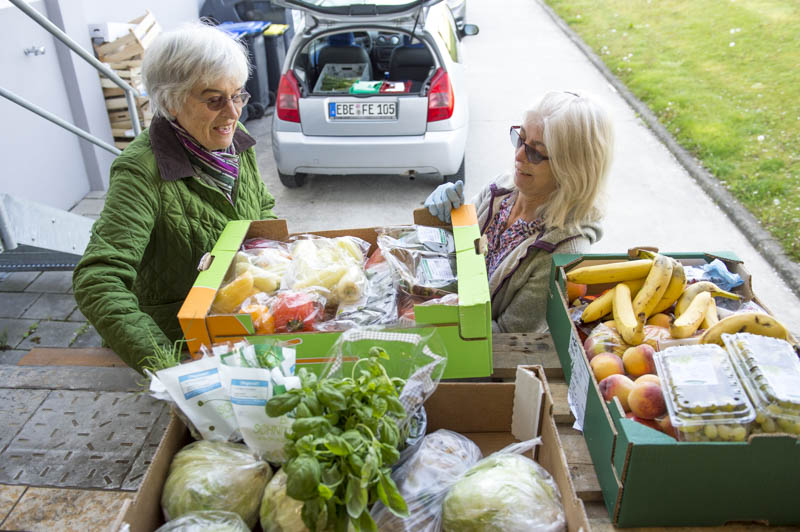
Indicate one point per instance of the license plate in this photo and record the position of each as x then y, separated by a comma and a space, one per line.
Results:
361, 110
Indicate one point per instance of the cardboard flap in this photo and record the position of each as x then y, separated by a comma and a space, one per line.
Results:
528, 391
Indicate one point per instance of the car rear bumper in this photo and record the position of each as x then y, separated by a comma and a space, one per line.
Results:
435, 152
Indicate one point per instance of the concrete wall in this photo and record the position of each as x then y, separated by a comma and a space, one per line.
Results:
41, 161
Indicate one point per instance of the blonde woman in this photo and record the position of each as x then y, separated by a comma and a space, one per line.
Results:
549, 204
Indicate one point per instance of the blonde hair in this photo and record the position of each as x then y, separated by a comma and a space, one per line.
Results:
193, 54
579, 137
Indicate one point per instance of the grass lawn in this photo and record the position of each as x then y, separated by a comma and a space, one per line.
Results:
723, 76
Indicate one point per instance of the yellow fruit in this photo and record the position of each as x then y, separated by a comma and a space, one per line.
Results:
751, 322
711, 318
629, 326
612, 272
655, 285
693, 289
675, 288
232, 294
687, 323
603, 304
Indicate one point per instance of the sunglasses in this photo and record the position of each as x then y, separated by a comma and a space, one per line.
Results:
217, 103
533, 155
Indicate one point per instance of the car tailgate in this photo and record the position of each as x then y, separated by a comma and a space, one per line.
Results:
316, 119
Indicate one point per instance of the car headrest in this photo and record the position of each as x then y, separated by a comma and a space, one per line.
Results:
342, 39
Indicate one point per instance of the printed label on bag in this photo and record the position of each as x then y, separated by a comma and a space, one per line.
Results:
435, 270
194, 384
249, 392
436, 239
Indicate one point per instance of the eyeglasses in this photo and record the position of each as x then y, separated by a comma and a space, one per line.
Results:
217, 103
533, 155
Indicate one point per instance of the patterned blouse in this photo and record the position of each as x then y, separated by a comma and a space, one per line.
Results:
502, 242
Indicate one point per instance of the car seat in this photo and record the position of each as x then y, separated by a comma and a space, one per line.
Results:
410, 61
342, 48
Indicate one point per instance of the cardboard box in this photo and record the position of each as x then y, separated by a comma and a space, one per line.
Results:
465, 329
493, 415
650, 479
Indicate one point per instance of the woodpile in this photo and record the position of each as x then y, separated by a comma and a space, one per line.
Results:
124, 56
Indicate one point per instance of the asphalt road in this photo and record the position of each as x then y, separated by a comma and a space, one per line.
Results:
519, 54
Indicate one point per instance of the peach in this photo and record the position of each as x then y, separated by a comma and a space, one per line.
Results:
638, 360
646, 400
618, 386
649, 377
601, 343
647, 422
665, 425
575, 290
606, 364
660, 319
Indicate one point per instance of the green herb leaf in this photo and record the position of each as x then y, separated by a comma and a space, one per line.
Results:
365, 522
355, 498
325, 491
338, 445
331, 397
396, 407
282, 404
302, 477
390, 496
311, 513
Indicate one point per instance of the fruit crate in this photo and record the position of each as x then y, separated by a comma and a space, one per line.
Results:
648, 478
339, 77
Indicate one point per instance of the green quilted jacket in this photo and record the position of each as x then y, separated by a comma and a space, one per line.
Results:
157, 223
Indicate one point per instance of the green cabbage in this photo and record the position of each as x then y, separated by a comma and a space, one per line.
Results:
215, 475
207, 521
504, 493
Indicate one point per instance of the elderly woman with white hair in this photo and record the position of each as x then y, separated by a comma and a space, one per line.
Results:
549, 204
171, 192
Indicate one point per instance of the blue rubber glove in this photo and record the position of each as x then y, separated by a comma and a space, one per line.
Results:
446, 197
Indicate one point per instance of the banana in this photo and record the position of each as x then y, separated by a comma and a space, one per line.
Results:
687, 323
676, 286
654, 285
693, 289
603, 304
751, 322
712, 317
629, 326
612, 272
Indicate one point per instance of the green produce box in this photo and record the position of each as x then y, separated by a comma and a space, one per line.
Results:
650, 479
465, 329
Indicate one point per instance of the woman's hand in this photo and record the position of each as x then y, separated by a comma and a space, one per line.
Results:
446, 197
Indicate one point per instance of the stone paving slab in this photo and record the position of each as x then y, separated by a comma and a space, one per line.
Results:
12, 356
9, 496
57, 282
17, 281
87, 338
15, 330
16, 407
51, 334
71, 378
77, 315
51, 306
65, 510
15, 304
80, 439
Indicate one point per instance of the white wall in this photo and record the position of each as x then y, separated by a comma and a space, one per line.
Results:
41, 161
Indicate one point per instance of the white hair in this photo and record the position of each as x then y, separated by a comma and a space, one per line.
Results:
579, 137
193, 54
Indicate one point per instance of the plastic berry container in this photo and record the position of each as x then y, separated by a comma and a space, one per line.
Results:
705, 398
770, 372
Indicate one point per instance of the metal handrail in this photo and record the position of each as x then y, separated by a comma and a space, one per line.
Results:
130, 92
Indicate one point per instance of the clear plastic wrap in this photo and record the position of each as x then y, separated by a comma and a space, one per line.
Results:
604, 338
281, 513
296, 310
505, 491
424, 479
210, 475
336, 265
206, 521
426, 266
351, 422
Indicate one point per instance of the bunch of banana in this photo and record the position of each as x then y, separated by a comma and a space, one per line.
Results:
654, 283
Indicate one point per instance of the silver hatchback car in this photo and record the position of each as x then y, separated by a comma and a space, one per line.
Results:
372, 88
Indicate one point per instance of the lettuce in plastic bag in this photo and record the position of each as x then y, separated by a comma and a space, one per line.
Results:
504, 492
281, 513
206, 521
214, 475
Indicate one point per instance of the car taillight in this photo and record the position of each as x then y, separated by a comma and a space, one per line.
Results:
288, 99
440, 98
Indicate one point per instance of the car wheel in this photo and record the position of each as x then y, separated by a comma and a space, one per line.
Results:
292, 181
458, 175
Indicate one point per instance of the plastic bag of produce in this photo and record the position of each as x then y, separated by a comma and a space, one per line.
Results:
211, 475
350, 423
423, 258
281, 513
206, 521
419, 237
505, 491
335, 265
424, 480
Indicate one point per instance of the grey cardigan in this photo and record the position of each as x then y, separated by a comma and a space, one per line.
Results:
520, 284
